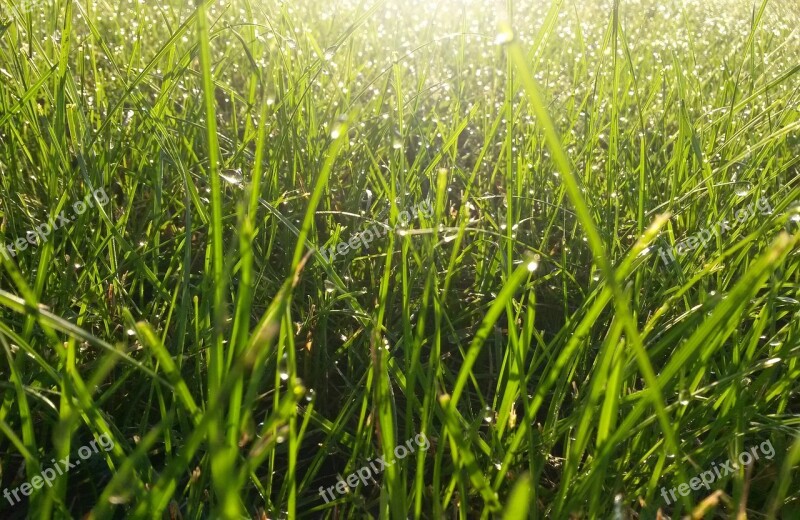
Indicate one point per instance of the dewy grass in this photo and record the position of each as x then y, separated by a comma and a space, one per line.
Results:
525, 320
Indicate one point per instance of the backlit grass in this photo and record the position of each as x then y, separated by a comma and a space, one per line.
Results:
527, 325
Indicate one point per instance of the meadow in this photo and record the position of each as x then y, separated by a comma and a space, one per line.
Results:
185, 195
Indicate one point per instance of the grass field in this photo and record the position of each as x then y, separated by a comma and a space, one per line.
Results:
414, 259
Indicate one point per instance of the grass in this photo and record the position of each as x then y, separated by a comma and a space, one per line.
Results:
527, 327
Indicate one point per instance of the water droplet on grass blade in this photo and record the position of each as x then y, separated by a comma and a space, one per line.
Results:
338, 127
366, 199
232, 177
283, 368
504, 37
533, 264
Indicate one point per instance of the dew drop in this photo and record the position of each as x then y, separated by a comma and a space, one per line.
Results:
283, 368
232, 177
504, 37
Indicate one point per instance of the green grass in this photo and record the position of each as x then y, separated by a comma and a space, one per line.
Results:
528, 327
